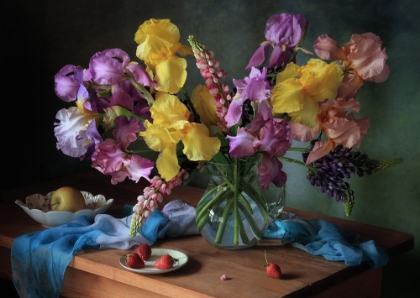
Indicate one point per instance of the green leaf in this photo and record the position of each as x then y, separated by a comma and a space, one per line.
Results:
221, 158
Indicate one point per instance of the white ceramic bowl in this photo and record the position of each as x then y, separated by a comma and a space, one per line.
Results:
36, 206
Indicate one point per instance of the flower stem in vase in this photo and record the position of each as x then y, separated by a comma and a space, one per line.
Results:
232, 213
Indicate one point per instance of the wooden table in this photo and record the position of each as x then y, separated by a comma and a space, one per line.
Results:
97, 273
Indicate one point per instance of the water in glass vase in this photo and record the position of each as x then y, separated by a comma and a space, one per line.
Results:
232, 213
275, 199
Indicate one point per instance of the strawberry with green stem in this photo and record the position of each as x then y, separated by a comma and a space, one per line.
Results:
165, 261
273, 270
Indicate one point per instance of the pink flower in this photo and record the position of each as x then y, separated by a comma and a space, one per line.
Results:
367, 58
361, 57
111, 158
337, 124
125, 131
210, 70
270, 171
242, 144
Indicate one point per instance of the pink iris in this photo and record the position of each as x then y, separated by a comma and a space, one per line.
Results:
111, 158
362, 58
337, 124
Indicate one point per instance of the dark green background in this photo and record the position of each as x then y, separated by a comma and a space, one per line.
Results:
39, 37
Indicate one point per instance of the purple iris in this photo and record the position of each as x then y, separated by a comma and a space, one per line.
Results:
254, 87
282, 32
268, 136
68, 83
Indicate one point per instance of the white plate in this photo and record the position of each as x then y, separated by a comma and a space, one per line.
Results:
36, 206
149, 267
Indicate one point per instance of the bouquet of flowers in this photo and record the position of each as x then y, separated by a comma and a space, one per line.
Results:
120, 102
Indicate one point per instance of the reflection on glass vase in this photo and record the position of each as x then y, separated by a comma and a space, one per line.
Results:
232, 213
275, 199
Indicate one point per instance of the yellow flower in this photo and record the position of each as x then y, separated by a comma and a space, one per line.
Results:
203, 103
298, 90
170, 126
158, 44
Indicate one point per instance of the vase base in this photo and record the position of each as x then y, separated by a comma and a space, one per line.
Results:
232, 213
209, 232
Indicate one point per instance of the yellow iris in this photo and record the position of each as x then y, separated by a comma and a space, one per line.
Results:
298, 90
170, 126
203, 103
158, 44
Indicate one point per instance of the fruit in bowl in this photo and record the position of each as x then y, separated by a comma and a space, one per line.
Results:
63, 205
67, 198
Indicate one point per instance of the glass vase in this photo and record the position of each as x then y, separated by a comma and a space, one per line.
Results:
275, 199
232, 213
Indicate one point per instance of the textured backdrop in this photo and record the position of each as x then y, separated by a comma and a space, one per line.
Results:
39, 37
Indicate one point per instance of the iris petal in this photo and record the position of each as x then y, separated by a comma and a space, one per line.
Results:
198, 145
167, 163
171, 74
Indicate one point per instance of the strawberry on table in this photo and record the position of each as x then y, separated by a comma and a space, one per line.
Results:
133, 260
273, 270
144, 251
165, 261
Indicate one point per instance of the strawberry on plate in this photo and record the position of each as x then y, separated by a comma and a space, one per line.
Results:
133, 260
144, 251
165, 261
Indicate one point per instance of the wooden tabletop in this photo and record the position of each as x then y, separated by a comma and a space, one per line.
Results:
97, 273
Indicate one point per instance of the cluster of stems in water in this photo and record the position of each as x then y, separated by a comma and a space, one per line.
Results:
230, 186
